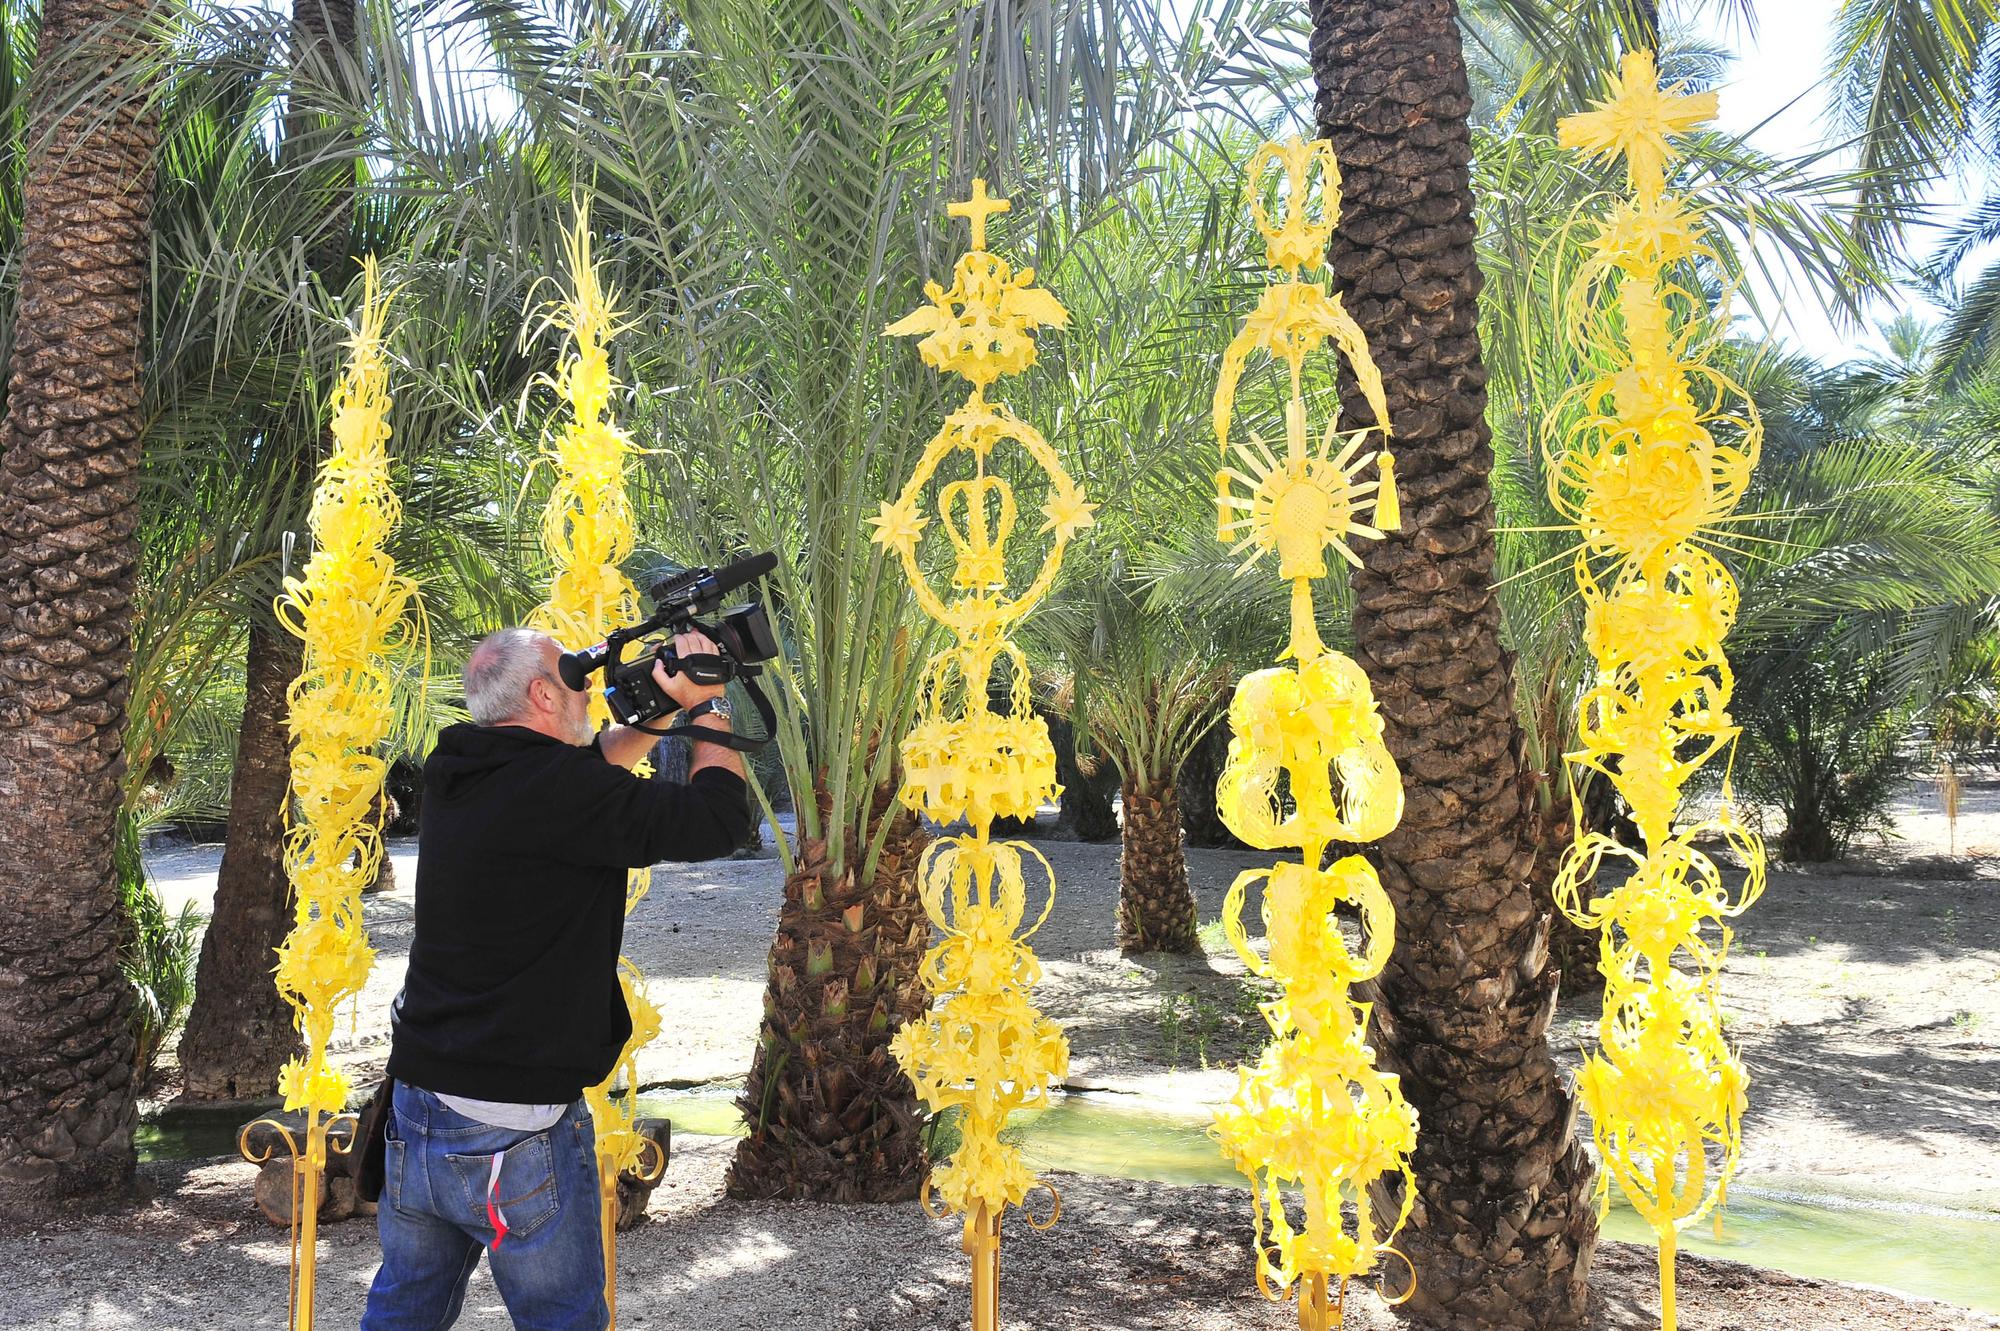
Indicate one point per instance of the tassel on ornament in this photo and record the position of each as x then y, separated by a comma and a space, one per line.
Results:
1388, 508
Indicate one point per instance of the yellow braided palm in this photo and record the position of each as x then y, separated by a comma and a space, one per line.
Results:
588, 534
1314, 1113
1659, 454
983, 1049
348, 607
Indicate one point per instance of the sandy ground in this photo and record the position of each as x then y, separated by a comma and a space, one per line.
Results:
1127, 1257
703, 932
1864, 995
1867, 1004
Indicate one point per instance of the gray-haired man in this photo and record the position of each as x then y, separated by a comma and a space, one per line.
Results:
512, 1003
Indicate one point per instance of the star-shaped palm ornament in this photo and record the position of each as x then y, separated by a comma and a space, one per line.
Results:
1067, 514
1636, 121
898, 525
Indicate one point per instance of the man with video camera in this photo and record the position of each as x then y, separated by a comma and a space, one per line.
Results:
512, 1003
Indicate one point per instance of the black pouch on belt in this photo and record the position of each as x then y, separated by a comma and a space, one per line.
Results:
370, 1134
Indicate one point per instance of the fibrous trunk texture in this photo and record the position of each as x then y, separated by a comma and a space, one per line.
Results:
1199, 774
1155, 905
1573, 949
1087, 810
69, 462
239, 1031
832, 1117
1503, 1229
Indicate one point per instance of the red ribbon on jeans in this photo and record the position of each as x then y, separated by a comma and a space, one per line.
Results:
494, 1215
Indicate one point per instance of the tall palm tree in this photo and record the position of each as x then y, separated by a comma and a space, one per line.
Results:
241, 1030
826, 418
69, 461
1873, 607
1151, 630
1914, 82
1503, 1226
1148, 673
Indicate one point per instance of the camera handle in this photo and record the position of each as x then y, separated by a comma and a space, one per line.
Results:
709, 735
713, 668
701, 667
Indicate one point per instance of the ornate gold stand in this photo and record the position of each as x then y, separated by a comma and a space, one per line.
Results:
982, 1245
1321, 1301
308, 1171
607, 1210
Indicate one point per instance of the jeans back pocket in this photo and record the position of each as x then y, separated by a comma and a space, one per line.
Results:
521, 1191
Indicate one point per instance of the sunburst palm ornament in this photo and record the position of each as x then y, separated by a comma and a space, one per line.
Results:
588, 533
1309, 499
350, 608
984, 1049
1659, 453
1314, 1114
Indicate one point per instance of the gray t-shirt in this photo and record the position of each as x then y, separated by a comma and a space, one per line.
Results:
500, 1114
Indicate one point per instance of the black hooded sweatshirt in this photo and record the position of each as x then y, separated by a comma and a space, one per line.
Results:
512, 992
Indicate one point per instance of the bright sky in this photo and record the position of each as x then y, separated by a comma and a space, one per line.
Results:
1776, 95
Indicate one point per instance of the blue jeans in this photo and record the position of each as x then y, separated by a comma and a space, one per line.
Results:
438, 1179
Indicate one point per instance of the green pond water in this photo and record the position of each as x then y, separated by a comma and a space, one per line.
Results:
193, 1134
1937, 1253
1930, 1251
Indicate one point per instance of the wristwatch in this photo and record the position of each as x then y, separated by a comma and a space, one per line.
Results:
716, 707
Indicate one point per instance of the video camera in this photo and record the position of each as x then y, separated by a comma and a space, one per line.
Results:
743, 635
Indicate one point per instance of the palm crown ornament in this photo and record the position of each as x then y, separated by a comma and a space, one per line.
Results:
1314, 1113
983, 1050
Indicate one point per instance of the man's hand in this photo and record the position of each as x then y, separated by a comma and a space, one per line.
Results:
687, 693
626, 745
679, 687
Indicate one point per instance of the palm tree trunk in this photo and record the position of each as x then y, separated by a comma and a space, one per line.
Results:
832, 1117
1086, 796
1155, 905
240, 1032
69, 463
1200, 817
1503, 1229
1573, 949
384, 812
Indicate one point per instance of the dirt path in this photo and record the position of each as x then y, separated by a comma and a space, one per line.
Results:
1864, 998
1127, 1257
